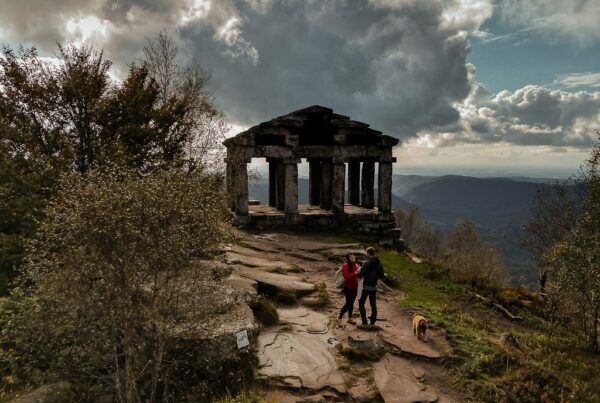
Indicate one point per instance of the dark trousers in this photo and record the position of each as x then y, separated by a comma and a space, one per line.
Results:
350, 295
372, 295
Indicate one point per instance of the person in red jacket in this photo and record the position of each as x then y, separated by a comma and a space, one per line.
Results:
349, 271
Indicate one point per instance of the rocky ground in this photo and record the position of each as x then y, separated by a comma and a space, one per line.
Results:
307, 356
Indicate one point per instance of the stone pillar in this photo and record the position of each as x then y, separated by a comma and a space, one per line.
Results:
326, 169
291, 186
239, 186
384, 187
314, 182
354, 182
272, 183
280, 186
338, 185
228, 186
367, 184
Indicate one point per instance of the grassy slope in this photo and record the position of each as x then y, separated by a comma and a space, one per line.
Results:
546, 362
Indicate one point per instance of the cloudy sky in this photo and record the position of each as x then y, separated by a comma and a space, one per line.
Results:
483, 87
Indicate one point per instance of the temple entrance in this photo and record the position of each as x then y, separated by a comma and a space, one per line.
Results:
342, 155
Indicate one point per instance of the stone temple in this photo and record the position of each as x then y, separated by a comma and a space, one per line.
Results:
343, 156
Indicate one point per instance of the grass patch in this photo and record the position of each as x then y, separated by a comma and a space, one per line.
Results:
358, 355
285, 298
320, 301
264, 311
547, 362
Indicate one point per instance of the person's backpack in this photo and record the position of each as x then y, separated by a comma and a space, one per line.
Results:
339, 278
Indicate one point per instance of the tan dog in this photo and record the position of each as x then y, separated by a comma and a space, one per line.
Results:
420, 327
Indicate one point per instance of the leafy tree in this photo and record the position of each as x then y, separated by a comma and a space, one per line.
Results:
119, 272
69, 116
574, 262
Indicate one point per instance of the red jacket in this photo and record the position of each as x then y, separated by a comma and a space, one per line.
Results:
350, 276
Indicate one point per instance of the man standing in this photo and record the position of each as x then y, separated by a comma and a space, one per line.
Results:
371, 271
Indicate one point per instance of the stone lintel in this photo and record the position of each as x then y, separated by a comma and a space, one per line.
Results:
291, 140
339, 139
319, 152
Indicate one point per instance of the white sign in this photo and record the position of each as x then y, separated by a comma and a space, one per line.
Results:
242, 339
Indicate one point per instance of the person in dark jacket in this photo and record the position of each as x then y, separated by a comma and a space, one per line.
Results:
349, 271
371, 271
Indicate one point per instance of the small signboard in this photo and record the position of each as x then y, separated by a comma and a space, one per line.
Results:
242, 339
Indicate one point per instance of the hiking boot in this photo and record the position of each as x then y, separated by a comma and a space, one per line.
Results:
352, 322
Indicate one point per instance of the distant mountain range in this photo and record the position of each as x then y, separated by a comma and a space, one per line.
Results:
497, 206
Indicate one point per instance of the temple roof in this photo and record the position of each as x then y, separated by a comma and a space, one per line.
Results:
315, 125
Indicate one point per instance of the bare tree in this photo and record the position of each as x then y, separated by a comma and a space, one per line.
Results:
163, 58
553, 215
468, 256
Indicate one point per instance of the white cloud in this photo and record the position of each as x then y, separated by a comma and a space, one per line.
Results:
576, 21
85, 29
576, 80
529, 116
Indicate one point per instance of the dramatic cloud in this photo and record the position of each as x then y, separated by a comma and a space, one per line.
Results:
400, 65
575, 20
531, 115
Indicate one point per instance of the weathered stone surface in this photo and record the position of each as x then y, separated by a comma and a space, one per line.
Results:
304, 319
252, 261
242, 284
338, 184
281, 282
396, 384
299, 360
384, 187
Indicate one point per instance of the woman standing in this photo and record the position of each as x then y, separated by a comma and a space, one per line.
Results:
349, 271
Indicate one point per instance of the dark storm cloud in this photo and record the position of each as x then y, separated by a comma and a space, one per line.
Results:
396, 68
400, 65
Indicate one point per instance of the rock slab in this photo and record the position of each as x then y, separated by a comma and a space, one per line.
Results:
397, 384
281, 282
299, 360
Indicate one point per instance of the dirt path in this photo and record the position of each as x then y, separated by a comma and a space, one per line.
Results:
304, 357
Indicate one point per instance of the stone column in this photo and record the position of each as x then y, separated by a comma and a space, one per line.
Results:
326, 169
280, 186
354, 182
384, 187
314, 182
338, 185
272, 183
228, 187
291, 186
240, 187
367, 193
